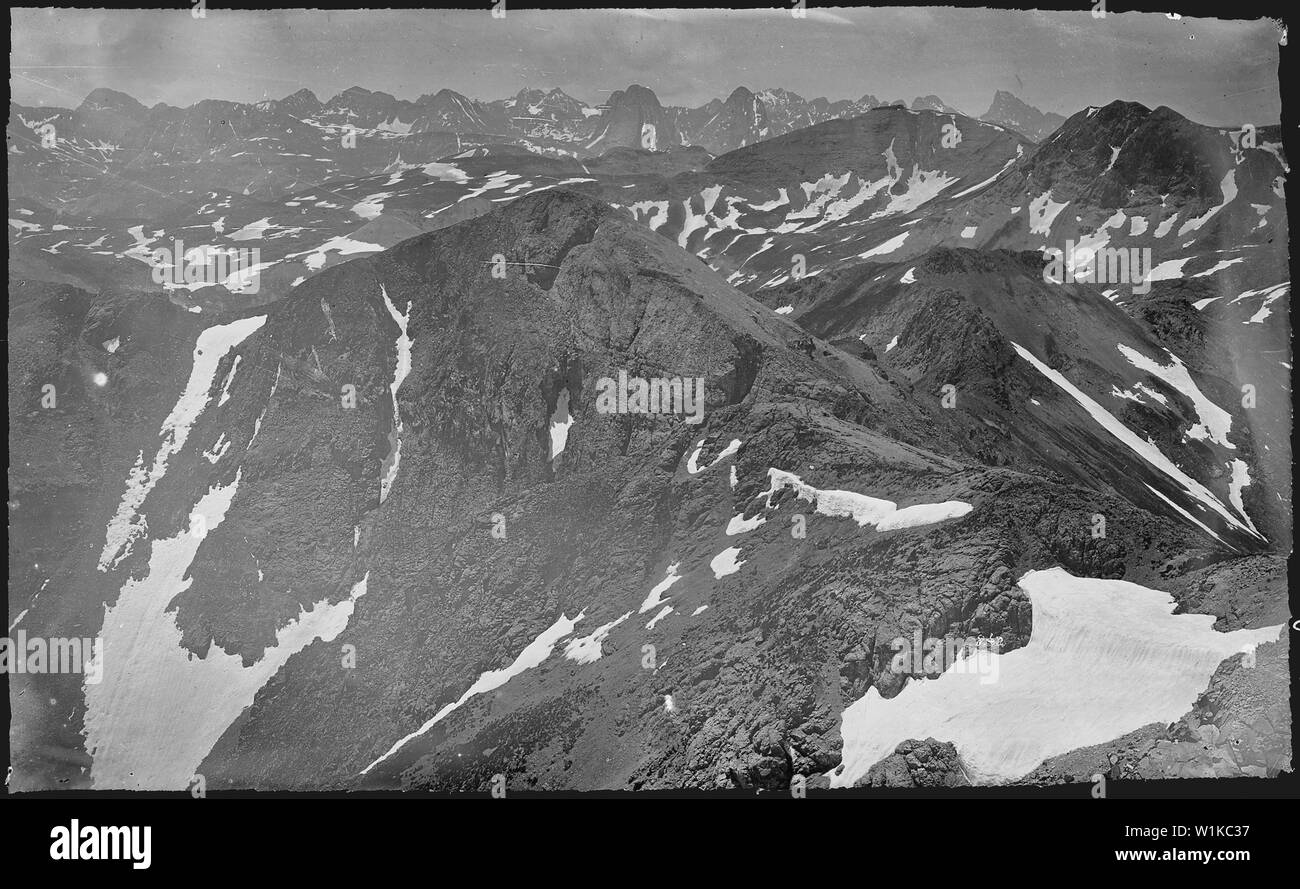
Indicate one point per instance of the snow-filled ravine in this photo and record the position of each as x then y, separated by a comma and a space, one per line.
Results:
533, 655
1105, 657
400, 371
1144, 447
159, 708
212, 345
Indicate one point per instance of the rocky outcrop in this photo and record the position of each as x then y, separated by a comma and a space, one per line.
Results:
927, 763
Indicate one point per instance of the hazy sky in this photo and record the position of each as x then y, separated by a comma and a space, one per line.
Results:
1212, 71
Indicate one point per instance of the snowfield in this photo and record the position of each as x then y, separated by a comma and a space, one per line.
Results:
1105, 657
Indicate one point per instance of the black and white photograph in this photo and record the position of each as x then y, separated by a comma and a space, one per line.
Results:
801, 402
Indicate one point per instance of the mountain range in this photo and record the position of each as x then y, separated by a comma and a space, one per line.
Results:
218, 142
365, 518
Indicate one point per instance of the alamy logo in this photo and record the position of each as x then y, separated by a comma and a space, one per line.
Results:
89, 843
1099, 265
36, 654
236, 269
657, 395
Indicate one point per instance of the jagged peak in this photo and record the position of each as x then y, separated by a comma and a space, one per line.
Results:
302, 95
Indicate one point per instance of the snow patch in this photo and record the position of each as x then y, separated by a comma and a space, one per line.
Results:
587, 649
740, 525
887, 247
561, 422
403, 367
1229, 188
725, 563
1043, 212
883, 515
663, 612
693, 467
1215, 422
656, 594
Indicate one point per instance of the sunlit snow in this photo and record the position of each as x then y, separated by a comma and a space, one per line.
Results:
1105, 657
883, 515
656, 594
725, 562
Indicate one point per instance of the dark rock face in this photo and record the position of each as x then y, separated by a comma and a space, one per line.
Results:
741, 120
634, 119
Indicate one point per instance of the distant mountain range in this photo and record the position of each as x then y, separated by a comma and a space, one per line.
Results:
113, 131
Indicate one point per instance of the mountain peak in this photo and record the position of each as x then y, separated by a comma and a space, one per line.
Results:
444, 96
932, 103
301, 95
1122, 110
637, 95
1010, 111
302, 100
740, 94
111, 99
1004, 96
